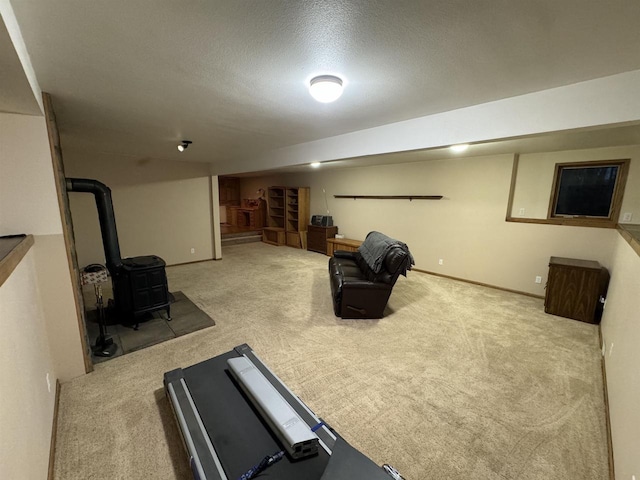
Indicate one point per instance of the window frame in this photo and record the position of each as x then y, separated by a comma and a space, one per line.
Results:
616, 199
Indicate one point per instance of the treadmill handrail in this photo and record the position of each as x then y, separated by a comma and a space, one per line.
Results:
187, 433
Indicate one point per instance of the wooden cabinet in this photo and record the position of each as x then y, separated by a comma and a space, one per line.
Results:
576, 289
317, 237
287, 216
273, 235
229, 190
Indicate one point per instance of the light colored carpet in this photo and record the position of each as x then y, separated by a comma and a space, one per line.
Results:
456, 382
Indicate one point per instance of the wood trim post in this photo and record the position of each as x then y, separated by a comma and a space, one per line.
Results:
214, 211
67, 225
512, 187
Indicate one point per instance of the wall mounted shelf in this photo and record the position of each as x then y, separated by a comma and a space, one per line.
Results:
392, 197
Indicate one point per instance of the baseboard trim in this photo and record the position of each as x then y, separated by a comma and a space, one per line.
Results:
54, 431
612, 471
189, 263
477, 283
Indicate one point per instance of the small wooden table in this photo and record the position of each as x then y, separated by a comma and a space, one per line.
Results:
346, 244
246, 217
576, 289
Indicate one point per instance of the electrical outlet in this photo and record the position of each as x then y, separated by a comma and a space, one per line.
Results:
193, 250
626, 217
633, 477
440, 261
48, 383
521, 212
538, 279
610, 348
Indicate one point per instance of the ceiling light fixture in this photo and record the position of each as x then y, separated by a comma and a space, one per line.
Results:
184, 145
314, 164
325, 88
459, 148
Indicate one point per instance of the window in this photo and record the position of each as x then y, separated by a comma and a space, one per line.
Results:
588, 190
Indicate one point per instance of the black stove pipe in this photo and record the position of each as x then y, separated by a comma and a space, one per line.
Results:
106, 216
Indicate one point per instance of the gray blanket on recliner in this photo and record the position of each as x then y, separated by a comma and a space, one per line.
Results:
375, 248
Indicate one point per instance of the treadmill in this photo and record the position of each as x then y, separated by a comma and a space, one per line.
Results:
233, 413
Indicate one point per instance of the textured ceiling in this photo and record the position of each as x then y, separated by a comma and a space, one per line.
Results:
131, 79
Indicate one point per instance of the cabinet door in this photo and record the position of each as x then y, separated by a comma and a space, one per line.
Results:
316, 240
293, 240
572, 293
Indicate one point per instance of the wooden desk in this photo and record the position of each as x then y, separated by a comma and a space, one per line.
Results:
346, 244
246, 217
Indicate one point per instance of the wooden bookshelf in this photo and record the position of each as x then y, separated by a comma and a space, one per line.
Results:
297, 216
276, 207
287, 216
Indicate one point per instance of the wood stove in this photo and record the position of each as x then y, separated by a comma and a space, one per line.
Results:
139, 283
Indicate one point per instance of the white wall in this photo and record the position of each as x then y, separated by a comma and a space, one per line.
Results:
11, 23
536, 171
40, 331
26, 404
621, 335
161, 208
26, 178
466, 229
166, 219
56, 295
29, 204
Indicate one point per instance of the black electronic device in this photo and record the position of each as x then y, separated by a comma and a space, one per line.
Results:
322, 220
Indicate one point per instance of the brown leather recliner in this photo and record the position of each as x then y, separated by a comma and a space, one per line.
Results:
361, 282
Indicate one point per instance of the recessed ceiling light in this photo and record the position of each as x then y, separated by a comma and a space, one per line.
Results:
325, 88
314, 164
459, 148
184, 145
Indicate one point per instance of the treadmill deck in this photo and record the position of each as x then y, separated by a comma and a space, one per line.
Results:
221, 418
